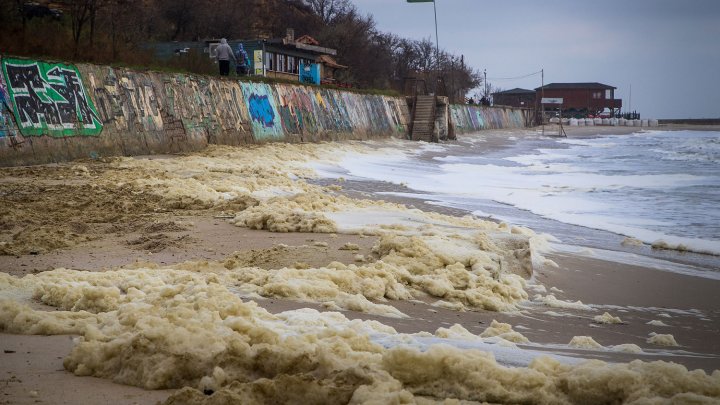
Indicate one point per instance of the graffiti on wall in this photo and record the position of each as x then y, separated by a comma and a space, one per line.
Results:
468, 118
125, 99
261, 111
49, 99
265, 120
6, 121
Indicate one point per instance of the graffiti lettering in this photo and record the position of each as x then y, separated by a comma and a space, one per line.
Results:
49, 99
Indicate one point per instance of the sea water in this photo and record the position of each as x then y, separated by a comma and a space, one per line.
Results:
661, 187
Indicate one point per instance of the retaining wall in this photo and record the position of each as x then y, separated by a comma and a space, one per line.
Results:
470, 118
52, 112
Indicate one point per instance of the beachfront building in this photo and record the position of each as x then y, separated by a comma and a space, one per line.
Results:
302, 59
515, 98
582, 99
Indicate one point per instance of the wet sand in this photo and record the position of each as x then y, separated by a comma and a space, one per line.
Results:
31, 366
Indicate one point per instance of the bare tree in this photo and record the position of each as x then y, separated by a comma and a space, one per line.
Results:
80, 14
330, 10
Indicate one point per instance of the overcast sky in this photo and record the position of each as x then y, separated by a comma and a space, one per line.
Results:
669, 51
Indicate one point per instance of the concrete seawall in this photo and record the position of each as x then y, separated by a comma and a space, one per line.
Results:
54, 112
51, 112
471, 118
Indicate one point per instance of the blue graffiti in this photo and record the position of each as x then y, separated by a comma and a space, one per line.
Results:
261, 110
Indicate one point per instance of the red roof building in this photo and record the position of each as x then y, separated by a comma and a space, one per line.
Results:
583, 98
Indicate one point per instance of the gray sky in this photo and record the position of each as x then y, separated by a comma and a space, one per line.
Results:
669, 51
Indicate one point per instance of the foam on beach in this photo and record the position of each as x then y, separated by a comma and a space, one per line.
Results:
166, 328
606, 318
187, 326
662, 339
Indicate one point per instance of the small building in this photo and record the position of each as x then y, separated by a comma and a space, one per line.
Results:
581, 98
515, 98
274, 57
282, 57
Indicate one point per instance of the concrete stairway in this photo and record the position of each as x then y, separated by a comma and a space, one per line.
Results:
423, 126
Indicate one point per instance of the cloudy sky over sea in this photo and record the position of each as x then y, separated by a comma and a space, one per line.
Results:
669, 51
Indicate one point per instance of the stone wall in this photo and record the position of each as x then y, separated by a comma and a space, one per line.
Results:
52, 112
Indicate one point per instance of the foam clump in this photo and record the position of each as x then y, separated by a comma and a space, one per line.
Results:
627, 348
456, 331
664, 245
655, 322
662, 339
606, 318
504, 331
628, 241
550, 301
584, 342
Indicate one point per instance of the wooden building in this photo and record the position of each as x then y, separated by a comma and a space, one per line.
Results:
273, 57
581, 98
281, 57
515, 98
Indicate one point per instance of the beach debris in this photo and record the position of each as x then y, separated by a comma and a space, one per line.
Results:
349, 246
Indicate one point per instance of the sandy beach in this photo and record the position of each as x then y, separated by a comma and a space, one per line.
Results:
193, 226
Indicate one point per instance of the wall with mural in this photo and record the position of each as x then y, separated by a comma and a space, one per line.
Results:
469, 118
52, 112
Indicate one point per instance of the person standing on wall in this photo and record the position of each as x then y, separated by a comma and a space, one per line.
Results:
223, 53
242, 61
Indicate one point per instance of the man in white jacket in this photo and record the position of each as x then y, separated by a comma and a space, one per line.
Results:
223, 53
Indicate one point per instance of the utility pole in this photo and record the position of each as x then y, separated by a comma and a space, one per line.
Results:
437, 44
485, 80
542, 95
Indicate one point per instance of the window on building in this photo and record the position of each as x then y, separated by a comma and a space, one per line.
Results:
291, 65
281, 63
608, 94
269, 61
597, 94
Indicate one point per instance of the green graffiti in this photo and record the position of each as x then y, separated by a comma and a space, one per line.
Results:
49, 99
